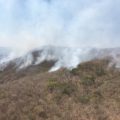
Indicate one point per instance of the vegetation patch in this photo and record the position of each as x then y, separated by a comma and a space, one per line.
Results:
2, 94
75, 71
100, 71
61, 87
88, 80
97, 97
84, 99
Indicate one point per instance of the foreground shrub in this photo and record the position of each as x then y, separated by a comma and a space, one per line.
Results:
84, 99
75, 71
100, 71
61, 87
88, 80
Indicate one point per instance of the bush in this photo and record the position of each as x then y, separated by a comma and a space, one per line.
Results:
60, 87
67, 88
52, 84
2, 94
88, 80
75, 71
97, 97
84, 99
100, 72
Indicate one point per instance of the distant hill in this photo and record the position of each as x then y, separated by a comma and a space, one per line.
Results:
63, 57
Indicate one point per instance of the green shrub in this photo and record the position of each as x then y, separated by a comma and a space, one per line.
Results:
88, 80
2, 94
100, 72
84, 99
97, 97
66, 88
52, 84
60, 87
75, 71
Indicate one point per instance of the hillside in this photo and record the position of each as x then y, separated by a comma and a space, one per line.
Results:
89, 92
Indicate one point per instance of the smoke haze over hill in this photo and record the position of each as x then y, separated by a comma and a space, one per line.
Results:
26, 25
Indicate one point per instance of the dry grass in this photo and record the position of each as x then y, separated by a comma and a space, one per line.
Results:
89, 92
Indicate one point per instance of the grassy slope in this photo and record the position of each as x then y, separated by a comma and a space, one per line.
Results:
89, 92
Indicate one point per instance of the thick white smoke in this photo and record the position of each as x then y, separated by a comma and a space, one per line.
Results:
76, 26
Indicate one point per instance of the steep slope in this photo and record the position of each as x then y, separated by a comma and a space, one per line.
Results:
63, 57
89, 92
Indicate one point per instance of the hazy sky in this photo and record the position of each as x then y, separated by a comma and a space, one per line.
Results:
28, 24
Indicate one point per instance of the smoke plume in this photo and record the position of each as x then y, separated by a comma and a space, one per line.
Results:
72, 27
